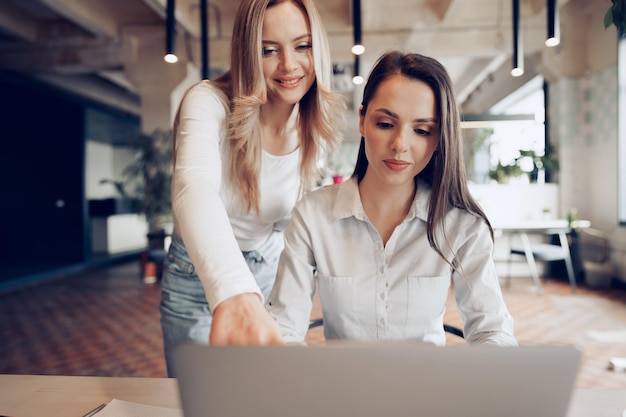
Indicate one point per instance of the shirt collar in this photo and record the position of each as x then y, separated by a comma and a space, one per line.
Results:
348, 202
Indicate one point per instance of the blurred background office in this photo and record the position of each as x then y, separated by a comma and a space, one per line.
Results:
86, 91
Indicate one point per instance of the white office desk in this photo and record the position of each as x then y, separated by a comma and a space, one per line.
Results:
540, 226
74, 396
559, 227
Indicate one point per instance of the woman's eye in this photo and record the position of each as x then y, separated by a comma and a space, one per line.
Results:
384, 125
269, 51
305, 47
422, 132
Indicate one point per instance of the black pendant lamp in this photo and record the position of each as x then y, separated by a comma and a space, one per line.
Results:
554, 30
356, 76
204, 35
357, 46
170, 32
518, 48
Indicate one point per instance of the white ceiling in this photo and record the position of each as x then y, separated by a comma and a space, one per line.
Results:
77, 43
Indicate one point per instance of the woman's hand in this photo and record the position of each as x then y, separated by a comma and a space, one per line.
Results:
243, 320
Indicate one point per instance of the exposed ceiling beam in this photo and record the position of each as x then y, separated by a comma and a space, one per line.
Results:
97, 90
94, 17
16, 22
67, 60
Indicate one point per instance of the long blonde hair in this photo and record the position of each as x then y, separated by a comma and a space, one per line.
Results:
320, 110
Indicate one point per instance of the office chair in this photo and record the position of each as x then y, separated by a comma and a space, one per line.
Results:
446, 327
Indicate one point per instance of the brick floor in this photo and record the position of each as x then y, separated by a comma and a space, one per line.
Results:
105, 323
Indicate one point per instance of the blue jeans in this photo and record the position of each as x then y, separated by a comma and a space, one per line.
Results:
185, 313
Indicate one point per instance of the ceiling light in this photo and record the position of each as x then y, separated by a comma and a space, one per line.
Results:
170, 58
204, 39
170, 32
552, 12
357, 79
518, 48
517, 72
357, 48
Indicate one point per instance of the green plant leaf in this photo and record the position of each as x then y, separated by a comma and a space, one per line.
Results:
608, 18
151, 173
616, 15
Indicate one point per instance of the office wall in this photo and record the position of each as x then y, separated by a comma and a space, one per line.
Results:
584, 119
104, 161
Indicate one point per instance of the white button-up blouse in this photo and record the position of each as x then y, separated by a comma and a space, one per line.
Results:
395, 292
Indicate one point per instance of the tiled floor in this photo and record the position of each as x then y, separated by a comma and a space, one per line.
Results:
104, 323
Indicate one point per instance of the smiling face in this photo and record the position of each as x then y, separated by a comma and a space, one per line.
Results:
401, 131
287, 53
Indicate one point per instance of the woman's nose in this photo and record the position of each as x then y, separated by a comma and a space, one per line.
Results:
288, 61
399, 143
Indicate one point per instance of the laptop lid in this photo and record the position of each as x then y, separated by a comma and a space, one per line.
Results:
376, 380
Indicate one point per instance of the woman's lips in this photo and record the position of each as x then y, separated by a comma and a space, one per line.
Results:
396, 165
289, 82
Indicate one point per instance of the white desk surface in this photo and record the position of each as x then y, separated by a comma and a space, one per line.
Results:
540, 225
74, 396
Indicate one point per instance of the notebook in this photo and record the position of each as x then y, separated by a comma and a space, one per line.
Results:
376, 380
121, 408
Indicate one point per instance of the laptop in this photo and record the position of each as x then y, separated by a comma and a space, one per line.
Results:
376, 380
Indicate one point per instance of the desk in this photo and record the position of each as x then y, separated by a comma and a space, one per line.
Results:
544, 227
73, 396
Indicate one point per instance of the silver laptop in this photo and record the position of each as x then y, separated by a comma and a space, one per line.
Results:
376, 380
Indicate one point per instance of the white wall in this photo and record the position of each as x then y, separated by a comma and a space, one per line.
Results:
119, 233
99, 165
508, 203
104, 161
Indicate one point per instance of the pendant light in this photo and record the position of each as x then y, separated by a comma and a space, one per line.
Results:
518, 48
357, 47
356, 76
554, 30
204, 36
170, 32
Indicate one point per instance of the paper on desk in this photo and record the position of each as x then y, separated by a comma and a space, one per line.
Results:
120, 408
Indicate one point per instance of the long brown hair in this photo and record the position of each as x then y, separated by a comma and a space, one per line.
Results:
445, 172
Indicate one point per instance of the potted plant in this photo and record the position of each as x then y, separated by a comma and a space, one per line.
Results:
147, 182
503, 173
150, 175
527, 163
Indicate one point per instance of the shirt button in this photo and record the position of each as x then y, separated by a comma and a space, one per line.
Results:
382, 295
382, 321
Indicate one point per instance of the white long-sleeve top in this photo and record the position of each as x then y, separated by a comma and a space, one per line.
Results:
395, 292
208, 214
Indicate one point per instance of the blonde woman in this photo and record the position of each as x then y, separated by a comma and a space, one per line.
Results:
247, 146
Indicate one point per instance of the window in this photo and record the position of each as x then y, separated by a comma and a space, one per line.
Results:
508, 144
